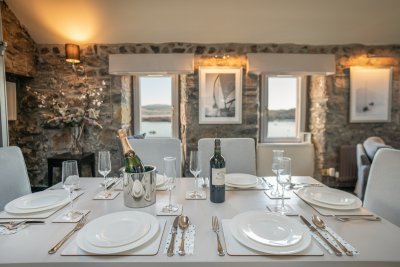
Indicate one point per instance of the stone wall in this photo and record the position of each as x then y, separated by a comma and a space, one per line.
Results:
327, 114
19, 56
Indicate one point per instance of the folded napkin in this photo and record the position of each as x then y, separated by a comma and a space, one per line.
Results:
5, 231
190, 234
332, 241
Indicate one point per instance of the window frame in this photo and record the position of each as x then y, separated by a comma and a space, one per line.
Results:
174, 99
300, 116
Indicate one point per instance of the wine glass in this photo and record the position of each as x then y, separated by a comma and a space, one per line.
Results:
170, 176
195, 169
104, 168
70, 181
277, 154
284, 178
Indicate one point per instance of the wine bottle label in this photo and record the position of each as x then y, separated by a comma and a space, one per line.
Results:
218, 176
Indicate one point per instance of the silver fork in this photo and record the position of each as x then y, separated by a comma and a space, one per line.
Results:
215, 227
78, 226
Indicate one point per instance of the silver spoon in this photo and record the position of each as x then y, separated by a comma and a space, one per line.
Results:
321, 225
183, 224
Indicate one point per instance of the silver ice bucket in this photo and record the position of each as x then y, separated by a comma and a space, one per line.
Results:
140, 188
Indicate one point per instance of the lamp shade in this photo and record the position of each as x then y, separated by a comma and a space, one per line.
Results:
72, 54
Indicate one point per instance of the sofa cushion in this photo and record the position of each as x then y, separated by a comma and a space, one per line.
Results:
372, 145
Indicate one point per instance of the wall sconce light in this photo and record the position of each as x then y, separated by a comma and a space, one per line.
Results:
72, 55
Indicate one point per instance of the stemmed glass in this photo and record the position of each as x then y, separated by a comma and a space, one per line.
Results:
104, 168
277, 155
70, 181
284, 178
195, 169
170, 176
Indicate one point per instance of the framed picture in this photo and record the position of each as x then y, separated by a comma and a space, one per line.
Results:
220, 96
370, 94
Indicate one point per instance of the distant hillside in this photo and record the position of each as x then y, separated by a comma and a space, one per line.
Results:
156, 112
282, 114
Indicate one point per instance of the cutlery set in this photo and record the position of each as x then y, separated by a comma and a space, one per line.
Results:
182, 222
320, 224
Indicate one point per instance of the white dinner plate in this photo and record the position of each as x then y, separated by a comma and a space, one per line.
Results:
241, 180
41, 199
271, 230
333, 198
112, 231
309, 195
85, 245
160, 180
11, 208
292, 239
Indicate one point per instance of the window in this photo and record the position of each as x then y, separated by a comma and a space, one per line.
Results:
155, 106
283, 106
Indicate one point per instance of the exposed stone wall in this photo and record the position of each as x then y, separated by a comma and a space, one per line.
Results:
19, 56
327, 114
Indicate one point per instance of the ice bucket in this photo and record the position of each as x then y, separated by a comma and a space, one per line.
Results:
140, 188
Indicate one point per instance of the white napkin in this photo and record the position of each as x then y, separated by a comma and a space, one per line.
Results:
5, 231
190, 234
330, 239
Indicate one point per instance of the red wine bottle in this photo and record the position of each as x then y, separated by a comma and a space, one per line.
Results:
217, 174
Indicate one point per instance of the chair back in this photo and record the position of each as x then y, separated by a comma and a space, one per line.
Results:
14, 179
382, 194
302, 155
153, 150
239, 154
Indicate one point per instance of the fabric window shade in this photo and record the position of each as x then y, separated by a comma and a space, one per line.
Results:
295, 64
125, 64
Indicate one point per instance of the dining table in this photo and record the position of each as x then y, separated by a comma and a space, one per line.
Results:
378, 242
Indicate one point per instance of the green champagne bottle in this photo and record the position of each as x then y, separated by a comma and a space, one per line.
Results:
133, 163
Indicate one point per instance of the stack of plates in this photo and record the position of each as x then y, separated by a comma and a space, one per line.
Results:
117, 232
270, 233
330, 198
241, 180
38, 202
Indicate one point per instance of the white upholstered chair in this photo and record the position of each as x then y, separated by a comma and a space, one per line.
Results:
382, 194
302, 155
239, 154
153, 150
14, 179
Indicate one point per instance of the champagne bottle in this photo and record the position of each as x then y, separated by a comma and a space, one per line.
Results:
217, 174
133, 164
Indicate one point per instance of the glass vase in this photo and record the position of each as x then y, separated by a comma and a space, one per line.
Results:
76, 133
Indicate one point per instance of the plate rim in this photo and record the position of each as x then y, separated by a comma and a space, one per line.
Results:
10, 208
243, 174
114, 250
274, 250
356, 205
298, 229
339, 204
104, 246
53, 192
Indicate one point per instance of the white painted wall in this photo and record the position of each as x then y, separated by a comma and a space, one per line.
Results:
211, 21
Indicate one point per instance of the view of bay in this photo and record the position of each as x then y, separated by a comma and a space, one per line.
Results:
156, 122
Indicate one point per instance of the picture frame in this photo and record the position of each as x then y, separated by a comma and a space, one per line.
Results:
370, 94
220, 95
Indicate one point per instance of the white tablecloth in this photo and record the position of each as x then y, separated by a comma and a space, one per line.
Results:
378, 242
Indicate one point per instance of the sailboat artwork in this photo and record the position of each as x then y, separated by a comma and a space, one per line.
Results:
370, 90
220, 95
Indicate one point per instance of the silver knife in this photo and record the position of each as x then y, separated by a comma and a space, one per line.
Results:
174, 230
27, 222
314, 230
